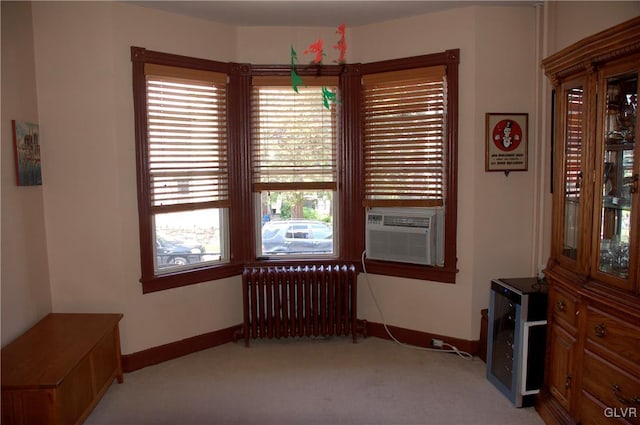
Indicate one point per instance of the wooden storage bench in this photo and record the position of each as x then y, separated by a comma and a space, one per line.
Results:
59, 369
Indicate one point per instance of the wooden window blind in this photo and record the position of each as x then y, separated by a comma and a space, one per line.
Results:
187, 138
404, 137
293, 135
573, 148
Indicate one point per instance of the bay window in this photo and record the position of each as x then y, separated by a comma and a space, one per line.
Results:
234, 166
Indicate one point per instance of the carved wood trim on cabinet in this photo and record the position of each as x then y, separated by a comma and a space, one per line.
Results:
592, 373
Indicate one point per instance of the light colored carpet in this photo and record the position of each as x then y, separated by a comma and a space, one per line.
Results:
308, 381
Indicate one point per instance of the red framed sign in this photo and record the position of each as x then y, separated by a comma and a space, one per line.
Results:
506, 142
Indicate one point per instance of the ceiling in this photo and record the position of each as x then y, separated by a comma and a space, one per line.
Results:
318, 13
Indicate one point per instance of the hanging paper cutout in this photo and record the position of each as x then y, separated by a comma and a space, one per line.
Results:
327, 97
342, 44
316, 48
294, 57
296, 80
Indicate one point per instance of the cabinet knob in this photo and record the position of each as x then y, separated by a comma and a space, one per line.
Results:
617, 392
567, 382
561, 306
600, 330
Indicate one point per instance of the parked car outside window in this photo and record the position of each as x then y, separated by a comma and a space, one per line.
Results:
297, 237
172, 253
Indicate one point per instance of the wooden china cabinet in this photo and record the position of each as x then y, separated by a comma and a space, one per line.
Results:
592, 373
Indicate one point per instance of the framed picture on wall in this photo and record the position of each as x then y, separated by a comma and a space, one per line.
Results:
26, 144
506, 142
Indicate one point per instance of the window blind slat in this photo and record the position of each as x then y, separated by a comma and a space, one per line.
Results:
280, 81
183, 74
404, 130
187, 137
573, 148
424, 75
293, 134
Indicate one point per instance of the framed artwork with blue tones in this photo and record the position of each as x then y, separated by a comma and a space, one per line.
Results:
26, 143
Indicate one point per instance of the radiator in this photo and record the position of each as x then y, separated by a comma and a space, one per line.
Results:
297, 301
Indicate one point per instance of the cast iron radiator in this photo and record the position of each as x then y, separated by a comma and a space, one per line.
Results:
297, 301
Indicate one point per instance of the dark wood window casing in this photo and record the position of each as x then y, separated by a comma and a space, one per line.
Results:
431, 66
350, 177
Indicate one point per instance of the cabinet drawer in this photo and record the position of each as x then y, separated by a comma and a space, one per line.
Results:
564, 308
593, 412
614, 387
622, 338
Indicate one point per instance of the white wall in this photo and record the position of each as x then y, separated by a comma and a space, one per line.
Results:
504, 205
85, 98
490, 205
271, 45
26, 294
83, 78
570, 21
494, 214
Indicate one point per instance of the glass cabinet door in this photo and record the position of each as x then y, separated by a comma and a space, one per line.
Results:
619, 177
573, 103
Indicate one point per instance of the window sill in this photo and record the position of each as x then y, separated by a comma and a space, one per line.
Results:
411, 271
286, 262
205, 274
190, 277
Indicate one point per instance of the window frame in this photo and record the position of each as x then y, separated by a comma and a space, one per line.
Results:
446, 273
349, 157
150, 279
314, 76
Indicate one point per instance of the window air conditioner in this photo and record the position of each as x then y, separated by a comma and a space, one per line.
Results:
407, 235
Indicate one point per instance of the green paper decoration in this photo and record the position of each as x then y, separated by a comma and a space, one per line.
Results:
296, 80
327, 97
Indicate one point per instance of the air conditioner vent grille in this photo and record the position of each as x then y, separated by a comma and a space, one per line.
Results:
405, 235
404, 221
